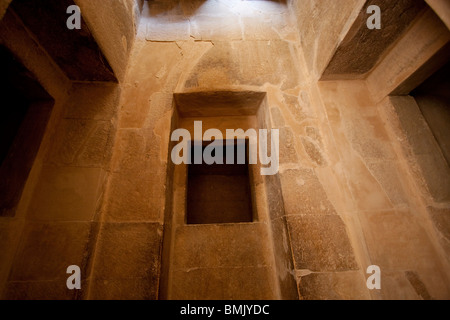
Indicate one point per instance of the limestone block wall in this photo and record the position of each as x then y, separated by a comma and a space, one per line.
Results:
255, 49
346, 196
60, 222
366, 176
18, 40
55, 225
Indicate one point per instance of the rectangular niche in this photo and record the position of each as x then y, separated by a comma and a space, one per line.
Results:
219, 193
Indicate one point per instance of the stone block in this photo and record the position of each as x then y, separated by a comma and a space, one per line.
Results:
274, 196
128, 251
441, 221
246, 63
314, 152
40, 290
67, 194
321, 243
93, 101
287, 154
254, 283
177, 28
124, 289
277, 117
333, 286
283, 259
216, 27
10, 232
47, 249
397, 241
304, 194
84, 143
395, 286
131, 197
387, 174
221, 246
298, 110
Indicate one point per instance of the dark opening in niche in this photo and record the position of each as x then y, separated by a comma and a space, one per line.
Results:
219, 193
25, 111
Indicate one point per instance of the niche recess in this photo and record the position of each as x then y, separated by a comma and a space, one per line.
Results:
26, 108
210, 208
219, 193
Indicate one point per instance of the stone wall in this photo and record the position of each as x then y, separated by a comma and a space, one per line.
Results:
113, 25
242, 54
322, 25
101, 193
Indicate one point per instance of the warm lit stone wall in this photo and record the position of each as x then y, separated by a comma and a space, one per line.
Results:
232, 46
113, 24
100, 193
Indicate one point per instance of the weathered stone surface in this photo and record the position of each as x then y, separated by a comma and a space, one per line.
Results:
67, 194
114, 38
366, 190
10, 232
136, 188
124, 289
240, 283
334, 126
275, 202
298, 110
287, 154
333, 286
368, 137
314, 134
245, 62
304, 194
441, 220
130, 151
395, 286
216, 27
284, 263
419, 146
93, 101
387, 174
175, 29
432, 99
321, 243
319, 39
418, 285
133, 198
277, 117
84, 143
128, 251
221, 246
314, 152
397, 241
40, 290
362, 48
47, 249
